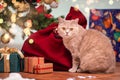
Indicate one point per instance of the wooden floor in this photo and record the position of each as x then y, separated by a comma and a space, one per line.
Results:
69, 76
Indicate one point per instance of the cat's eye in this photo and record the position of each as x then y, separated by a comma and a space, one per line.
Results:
71, 29
63, 28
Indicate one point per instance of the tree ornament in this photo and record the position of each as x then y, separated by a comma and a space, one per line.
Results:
13, 17
1, 20
54, 4
48, 16
28, 25
38, 1
13, 1
22, 8
48, 1
2, 5
27, 30
5, 38
41, 9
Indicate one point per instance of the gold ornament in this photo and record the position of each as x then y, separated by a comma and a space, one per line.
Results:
31, 41
1, 20
5, 38
13, 17
13, 1
48, 1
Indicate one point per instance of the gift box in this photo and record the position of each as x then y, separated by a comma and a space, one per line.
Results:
10, 62
30, 62
108, 22
43, 68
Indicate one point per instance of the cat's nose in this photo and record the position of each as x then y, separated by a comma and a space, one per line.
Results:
67, 33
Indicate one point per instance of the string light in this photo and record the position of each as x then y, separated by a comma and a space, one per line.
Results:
88, 2
111, 2
73, 0
87, 10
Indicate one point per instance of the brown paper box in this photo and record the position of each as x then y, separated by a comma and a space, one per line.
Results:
30, 62
43, 68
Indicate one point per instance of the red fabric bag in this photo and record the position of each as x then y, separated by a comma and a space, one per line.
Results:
49, 44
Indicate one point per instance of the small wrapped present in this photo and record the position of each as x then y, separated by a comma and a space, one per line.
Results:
43, 68
30, 62
10, 59
10, 62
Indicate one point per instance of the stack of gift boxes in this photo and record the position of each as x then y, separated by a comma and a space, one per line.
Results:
13, 60
37, 65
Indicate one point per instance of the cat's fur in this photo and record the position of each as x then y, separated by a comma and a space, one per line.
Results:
91, 50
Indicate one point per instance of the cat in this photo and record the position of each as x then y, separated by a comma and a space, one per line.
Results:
90, 49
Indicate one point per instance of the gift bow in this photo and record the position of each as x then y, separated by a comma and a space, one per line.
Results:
8, 51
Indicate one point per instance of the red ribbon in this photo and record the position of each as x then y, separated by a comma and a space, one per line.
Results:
36, 69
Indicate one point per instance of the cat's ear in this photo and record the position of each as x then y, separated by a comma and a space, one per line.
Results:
60, 19
76, 20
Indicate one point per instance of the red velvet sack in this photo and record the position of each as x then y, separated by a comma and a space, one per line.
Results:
49, 44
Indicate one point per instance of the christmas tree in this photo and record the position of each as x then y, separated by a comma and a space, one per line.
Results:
28, 14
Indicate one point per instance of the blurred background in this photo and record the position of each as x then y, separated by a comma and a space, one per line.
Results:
84, 6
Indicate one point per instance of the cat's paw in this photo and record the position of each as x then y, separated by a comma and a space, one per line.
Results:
72, 70
79, 70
